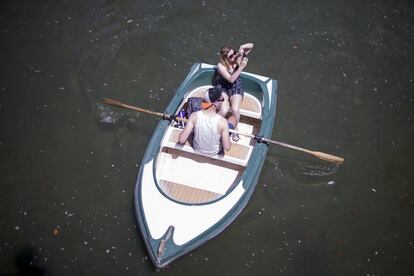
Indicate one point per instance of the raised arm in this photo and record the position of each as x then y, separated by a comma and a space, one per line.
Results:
246, 48
226, 75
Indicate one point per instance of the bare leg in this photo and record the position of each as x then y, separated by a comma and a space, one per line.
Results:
232, 120
224, 106
235, 102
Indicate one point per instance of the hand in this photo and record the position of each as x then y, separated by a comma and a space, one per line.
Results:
171, 117
242, 53
243, 62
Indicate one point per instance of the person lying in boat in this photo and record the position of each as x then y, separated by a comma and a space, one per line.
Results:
227, 77
211, 130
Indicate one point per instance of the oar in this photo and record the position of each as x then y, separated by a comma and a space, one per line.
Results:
321, 155
119, 104
318, 154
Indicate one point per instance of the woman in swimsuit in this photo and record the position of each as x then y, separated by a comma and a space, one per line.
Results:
230, 65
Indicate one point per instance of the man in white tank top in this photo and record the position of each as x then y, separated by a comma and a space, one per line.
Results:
211, 131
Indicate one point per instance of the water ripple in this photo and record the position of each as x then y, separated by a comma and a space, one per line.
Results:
318, 170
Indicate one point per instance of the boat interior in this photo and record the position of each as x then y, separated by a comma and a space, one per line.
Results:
189, 177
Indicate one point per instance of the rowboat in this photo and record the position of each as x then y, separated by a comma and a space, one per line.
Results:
182, 198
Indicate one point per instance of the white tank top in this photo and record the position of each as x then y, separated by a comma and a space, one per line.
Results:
206, 138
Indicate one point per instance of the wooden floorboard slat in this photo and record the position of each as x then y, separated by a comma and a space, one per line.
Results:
186, 194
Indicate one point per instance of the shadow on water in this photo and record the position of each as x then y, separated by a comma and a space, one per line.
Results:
26, 264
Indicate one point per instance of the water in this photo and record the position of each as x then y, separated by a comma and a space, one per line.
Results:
68, 164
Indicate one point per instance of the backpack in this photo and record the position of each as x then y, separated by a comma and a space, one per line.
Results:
193, 105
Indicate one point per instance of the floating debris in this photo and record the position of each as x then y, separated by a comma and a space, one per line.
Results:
69, 214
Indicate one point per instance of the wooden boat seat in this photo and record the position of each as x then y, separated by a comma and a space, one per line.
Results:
250, 106
238, 154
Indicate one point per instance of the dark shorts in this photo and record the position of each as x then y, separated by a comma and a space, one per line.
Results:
232, 92
230, 88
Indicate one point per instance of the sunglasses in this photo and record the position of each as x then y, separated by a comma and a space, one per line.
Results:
232, 55
219, 100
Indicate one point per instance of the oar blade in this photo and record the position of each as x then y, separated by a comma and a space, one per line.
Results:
112, 102
328, 157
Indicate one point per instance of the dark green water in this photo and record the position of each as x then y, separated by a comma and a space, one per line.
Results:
345, 71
